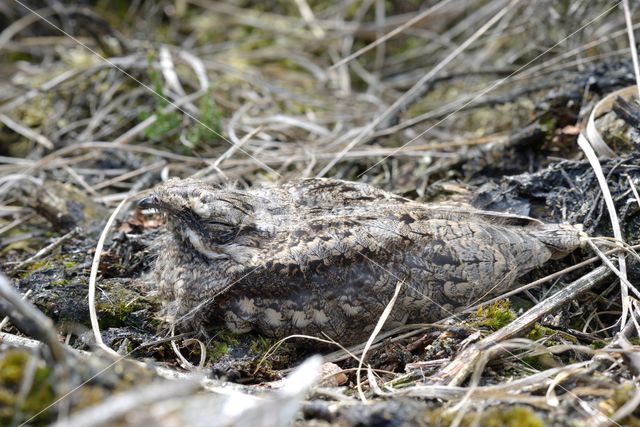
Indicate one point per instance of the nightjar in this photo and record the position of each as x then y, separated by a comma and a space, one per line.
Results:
318, 256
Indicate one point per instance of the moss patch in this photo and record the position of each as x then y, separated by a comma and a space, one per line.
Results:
116, 308
518, 416
619, 398
69, 264
32, 268
539, 332
40, 395
223, 343
514, 416
260, 345
495, 316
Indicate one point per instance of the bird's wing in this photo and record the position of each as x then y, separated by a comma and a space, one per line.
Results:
329, 194
468, 212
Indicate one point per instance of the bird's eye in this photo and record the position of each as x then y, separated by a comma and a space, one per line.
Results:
220, 223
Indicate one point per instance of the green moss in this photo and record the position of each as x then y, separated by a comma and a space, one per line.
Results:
495, 316
17, 56
116, 310
260, 345
33, 267
20, 246
553, 336
621, 395
19, 148
69, 264
519, 416
539, 332
116, 315
619, 398
510, 416
221, 346
229, 339
11, 367
39, 397
218, 350
35, 113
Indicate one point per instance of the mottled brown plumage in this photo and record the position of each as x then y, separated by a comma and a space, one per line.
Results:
323, 255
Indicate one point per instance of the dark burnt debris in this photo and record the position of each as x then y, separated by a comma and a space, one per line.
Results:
567, 191
78, 137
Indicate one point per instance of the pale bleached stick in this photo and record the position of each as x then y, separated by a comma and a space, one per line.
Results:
93, 315
460, 368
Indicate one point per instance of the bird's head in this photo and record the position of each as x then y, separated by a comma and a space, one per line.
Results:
209, 219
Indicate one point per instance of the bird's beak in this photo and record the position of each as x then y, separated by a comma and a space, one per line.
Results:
149, 202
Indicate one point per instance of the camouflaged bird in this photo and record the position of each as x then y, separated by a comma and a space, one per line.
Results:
320, 256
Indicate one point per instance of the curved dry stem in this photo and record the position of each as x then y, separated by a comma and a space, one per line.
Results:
376, 331
183, 360
93, 315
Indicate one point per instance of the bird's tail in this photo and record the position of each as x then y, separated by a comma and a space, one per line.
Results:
561, 239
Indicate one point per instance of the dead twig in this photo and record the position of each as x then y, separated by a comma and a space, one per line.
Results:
26, 132
458, 370
46, 250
